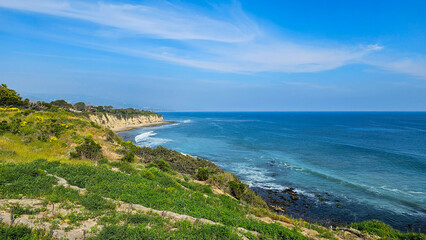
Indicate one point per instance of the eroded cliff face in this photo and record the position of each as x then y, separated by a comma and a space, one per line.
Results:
117, 122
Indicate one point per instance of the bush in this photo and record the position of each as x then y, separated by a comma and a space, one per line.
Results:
74, 155
96, 202
89, 149
385, 231
128, 157
202, 174
160, 164
4, 126
20, 232
163, 165
237, 189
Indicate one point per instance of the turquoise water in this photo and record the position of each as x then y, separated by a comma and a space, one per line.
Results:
346, 166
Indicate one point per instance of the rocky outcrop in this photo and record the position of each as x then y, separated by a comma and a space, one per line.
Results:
122, 123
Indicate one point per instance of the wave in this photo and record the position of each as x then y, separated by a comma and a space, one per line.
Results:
260, 178
144, 136
146, 139
187, 121
189, 155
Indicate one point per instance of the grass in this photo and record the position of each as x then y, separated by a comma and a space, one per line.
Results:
22, 232
164, 192
385, 231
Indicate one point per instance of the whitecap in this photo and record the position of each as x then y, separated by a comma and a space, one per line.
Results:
143, 136
146, 139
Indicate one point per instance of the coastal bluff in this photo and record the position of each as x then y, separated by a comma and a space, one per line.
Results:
118, 122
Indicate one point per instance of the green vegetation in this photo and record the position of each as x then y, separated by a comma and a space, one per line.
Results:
385, 231
203, 174
9, 97
44, 141
21, 232
89, 149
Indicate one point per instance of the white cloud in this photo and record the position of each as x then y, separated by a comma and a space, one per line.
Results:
221, 40
416, 67
164, 21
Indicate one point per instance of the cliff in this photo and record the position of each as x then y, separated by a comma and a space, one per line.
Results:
122, 123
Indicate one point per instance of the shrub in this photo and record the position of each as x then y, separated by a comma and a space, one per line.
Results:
385, 231
103, 161
4, 126
202, 174
160, 164
74, 155
128, 157
163, 165
18, 232
149, 175
237, 189
89, 149
96, 202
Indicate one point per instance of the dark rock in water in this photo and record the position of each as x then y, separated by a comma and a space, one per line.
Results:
278, 208
282, 197
289, 191
294, 197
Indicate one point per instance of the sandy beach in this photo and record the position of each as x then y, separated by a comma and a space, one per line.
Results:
130, 127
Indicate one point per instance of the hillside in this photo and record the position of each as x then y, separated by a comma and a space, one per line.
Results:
65, 176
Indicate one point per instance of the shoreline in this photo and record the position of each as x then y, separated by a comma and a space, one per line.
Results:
131, 127
323, 208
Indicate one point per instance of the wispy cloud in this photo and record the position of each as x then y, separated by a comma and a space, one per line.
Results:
309, 85
166, 20
220, 39
416, 66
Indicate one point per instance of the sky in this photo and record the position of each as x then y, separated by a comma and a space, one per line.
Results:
248, 55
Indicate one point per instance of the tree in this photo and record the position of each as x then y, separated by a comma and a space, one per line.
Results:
108, 108
26, 102
80, 106
61, 103
9, 97
100, 108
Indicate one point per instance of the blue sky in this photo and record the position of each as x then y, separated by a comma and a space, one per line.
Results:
218, 55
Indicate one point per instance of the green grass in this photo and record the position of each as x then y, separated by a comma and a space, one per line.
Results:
21, 232
164, 192
385, 231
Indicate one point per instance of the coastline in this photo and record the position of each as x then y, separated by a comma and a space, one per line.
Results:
286, 202
321, 207
131, 127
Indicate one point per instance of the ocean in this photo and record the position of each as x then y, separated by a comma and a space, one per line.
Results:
344, 166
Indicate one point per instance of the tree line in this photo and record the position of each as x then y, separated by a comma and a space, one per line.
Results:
10, 98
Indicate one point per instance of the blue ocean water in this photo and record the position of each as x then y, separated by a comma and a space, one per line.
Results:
347, 166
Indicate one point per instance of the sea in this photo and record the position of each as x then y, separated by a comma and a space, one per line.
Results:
344, 166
